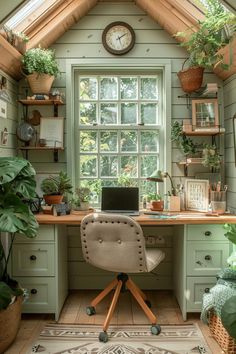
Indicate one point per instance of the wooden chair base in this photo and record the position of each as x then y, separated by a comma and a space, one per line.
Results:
121, 281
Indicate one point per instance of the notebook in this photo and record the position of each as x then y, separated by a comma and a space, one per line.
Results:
120, 200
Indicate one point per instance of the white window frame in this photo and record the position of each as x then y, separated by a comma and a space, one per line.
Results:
119, 65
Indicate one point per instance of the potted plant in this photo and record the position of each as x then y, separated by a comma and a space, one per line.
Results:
155, 201
203, 43
187, 146
17, 182
211, 157
81, 199
55, 187
40, 67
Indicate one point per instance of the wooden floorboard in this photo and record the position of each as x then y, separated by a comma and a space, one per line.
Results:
164, 306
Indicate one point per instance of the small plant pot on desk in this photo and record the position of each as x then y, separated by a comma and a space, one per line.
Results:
53, 199
157, 205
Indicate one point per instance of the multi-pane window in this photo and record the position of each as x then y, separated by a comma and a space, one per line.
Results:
118, 130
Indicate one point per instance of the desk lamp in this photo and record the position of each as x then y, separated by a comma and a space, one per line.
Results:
158, 176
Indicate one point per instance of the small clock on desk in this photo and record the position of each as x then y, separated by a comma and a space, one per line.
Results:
118, 38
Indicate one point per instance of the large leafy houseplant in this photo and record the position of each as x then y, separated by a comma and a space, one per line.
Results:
204, 41
56, 186
17, 183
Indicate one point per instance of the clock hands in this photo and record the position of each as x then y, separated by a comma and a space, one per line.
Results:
119, 37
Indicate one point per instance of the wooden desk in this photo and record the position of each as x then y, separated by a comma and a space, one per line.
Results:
194, 244
181, 218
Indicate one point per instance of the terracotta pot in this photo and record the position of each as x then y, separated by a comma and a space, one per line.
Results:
40, 83
157, 205
10, 322
53, 199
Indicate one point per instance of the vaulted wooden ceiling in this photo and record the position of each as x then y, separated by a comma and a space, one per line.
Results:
172, 15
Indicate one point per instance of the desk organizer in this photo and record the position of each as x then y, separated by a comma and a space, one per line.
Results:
227, 343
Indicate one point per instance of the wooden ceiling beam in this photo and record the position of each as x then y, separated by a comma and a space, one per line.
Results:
65, 16
10, 59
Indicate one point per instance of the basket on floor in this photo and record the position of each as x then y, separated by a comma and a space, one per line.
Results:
227, 343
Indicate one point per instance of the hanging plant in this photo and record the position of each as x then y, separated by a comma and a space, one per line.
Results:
187, 146
211, 157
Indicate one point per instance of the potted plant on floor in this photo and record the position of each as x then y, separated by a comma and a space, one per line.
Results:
17, 182
203, 43
40, 67
55, 188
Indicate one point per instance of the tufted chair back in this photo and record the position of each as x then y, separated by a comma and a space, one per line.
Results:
113, 242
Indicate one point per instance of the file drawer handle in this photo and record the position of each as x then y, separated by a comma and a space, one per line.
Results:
207, 290
33, 291
33, 258
207, 233
207, 257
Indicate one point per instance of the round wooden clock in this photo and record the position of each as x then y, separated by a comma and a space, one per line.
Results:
118, 38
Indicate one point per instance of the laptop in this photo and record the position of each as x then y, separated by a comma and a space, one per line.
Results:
120, 200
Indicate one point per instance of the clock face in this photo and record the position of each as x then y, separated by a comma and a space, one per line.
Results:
118, 38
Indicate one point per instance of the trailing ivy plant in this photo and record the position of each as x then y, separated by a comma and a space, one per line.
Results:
187, 146
211, 156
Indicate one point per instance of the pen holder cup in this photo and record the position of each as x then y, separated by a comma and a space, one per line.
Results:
218, 201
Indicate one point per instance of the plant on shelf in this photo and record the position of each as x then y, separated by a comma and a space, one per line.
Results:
211, 157
17, 182
203, 43
55, 188
81, 198
40, 67
187, 146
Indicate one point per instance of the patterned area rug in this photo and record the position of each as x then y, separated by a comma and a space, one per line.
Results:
83, 339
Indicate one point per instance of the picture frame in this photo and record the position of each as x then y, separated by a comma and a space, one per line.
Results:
205, 113
197, 194
234, 134
52, 131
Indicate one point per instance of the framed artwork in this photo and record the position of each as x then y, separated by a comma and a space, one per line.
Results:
51, 131
197, 194
205, 113
234, 133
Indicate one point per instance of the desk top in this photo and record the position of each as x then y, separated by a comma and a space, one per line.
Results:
178, 218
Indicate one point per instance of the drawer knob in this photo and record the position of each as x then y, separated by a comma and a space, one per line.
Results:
33, 257
207, 257
33, 291
207, 233
207, 290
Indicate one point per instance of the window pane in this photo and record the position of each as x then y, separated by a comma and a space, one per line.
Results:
129, 165
88, 88
128, 113
149, 141
128, 141
88, 141
109, 166
108, 141
148, 165
128, 88
109, 89
88, 166
149, 113
87, 113
108, 113
147, 187
149, 88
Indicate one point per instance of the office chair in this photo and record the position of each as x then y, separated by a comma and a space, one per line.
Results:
116, 243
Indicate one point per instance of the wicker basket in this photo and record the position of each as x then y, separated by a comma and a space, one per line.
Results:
191, 78
227, 343
40, 83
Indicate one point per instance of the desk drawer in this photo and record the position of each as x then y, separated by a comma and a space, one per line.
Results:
33, 260
41, 294
196, 287
45, 233
206, 259
205, 233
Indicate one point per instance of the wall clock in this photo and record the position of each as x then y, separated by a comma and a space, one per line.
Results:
118, 38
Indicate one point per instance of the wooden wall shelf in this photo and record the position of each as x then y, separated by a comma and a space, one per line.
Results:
31, 148
41, 102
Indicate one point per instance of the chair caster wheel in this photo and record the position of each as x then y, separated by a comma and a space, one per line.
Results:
103, 337
156, 329
90, 310
148, 303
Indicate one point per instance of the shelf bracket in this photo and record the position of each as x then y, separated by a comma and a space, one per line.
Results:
55, 155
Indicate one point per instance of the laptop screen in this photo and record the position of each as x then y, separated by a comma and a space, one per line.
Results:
120, 199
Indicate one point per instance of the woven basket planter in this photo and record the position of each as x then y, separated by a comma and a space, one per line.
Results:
227, 343
191, 78
9, 324
40, 83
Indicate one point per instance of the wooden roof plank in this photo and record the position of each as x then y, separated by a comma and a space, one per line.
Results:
10, 60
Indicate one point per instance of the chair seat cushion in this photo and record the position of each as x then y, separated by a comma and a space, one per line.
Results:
154, 257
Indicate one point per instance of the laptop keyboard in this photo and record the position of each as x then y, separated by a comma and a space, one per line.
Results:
123, 212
